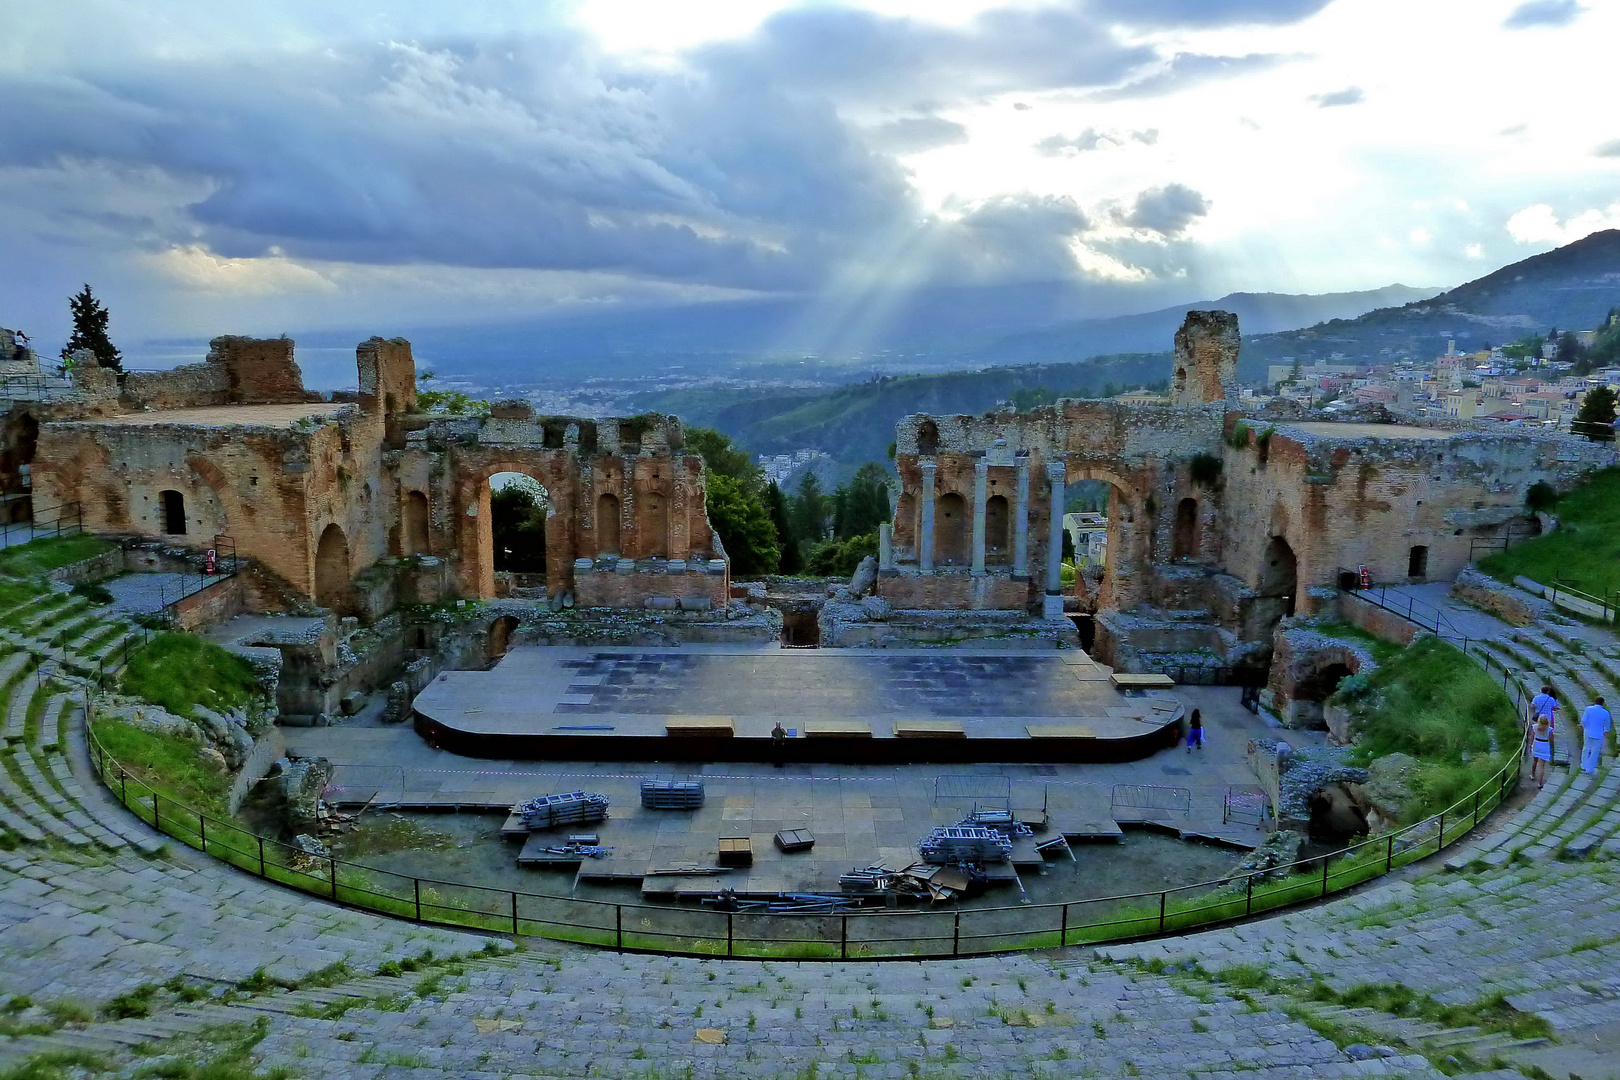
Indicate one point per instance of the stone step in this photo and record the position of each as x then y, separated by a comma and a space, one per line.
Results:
49, 733
36, 624
1599, 795
13, 793
22, 694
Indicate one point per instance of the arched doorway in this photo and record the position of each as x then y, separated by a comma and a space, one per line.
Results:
652, 526
951, 530
607, 524
1306, 710
416, 524
518, 505
332, 569
500, 636
1278, 586
1184, 538
927, 438
997, 543
174, 512
1100, 524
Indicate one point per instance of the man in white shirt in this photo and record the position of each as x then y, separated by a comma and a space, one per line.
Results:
1595, 724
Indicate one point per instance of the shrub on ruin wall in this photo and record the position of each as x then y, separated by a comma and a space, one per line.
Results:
1205, 470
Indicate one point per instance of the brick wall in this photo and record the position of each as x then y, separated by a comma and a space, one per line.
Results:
1375, 620
259, 370
605, 588
957, 592
221, 600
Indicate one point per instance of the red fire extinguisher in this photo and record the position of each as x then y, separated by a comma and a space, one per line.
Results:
1366, 578
208, 562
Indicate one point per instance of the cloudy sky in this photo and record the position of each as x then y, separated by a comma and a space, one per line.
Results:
283, 165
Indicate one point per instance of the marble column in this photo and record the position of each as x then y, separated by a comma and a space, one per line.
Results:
1053, 607
925, 529
885, 548
1021, 522
981, 488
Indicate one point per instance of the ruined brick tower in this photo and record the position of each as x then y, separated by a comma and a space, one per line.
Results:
1205, 369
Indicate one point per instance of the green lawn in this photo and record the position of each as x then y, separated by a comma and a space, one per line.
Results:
50, 553
181, 671
165, 763
1585, 549
1432, 702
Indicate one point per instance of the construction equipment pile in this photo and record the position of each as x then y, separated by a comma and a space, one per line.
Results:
574, 808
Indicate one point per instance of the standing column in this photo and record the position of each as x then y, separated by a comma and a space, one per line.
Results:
981, 486
925, 530
1021, 523
1053, 608
885, 548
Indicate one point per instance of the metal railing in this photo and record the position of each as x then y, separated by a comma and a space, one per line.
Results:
708, 931
63, 520
1405, 605
226, 565
1606, 603
1515, 533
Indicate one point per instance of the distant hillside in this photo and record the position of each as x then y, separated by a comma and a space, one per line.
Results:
1258, 313
855, 422
1572, 287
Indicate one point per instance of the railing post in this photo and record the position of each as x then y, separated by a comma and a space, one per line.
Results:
1389, 856
1476, 808
730, 931
514, 913
1440, 837
843, 937
333, 863
202, 831
618, 926
1163, 898
1063, 931
416, 887
956, 933
155, 824
1248, 897
123, 786
1324, 875
261, 857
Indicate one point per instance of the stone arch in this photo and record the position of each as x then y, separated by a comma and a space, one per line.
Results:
652, 525
927, 439
470, 512
607, 524
417, 534
997, 531
1277, 587
172, 509
1129, 533
500, 636
951, 530
332, 569
1184, 538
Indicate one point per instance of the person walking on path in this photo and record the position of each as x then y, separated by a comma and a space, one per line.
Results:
1544, 706
779, 743
1195, 731
1540, 751
1595, 722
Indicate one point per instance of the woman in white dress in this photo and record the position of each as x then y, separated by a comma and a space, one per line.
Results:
1540, 751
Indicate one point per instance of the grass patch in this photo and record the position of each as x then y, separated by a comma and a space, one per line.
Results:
1432, 702
181, 672
165, 763
1585, 548
50, 553
1382, 651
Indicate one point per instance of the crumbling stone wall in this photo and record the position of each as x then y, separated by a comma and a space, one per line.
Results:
1205, 366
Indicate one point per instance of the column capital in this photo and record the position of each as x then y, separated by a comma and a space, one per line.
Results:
1056, 470
981, 467
927, 464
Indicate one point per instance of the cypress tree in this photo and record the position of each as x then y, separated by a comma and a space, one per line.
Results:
90, 330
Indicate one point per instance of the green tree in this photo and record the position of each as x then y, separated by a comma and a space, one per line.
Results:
719, 456
517, 518
445, 402
90, 330
809, 509
1596, 418
1569, 347
744, 525
861, 505
836, 558
776, 505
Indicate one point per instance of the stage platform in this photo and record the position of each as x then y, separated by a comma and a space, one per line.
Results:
720, 703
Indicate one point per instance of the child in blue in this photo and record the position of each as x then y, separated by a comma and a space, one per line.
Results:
1195, 731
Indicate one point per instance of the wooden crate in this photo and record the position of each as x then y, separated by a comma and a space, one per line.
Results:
736, 851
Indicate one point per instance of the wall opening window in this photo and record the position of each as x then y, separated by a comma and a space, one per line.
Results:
1417, 563
174, 513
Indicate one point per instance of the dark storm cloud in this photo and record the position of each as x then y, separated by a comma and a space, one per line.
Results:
1184, 71
1350, 95
856, 55
515, 155
1543, 13
911, 134
1166, 210
1014, 237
